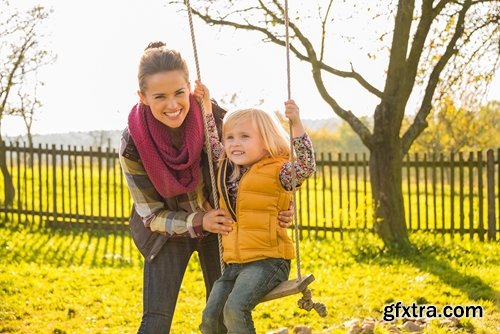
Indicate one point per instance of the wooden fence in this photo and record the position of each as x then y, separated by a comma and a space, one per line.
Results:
84, 187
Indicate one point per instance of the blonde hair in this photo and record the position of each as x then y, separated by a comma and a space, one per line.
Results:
273, 135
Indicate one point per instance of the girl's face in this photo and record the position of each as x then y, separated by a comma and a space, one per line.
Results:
167, 94
243, 144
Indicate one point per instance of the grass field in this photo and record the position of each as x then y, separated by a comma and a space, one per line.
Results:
90, 282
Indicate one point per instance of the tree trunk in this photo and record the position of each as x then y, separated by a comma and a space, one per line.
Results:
9, 190
386, 160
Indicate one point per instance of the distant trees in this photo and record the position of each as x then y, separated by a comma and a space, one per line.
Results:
341, 139
325, 140
453, 129
21, 55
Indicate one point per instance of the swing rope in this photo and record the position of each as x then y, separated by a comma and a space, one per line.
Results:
205, 127
207, 143
305, 302
294, 176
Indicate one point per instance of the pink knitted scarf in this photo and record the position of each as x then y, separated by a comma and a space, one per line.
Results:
172, 171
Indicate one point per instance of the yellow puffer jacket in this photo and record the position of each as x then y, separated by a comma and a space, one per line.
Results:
256, 233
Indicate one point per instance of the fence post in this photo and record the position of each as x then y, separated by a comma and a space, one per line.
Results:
480, 195
54, 184
490, 181
3, 203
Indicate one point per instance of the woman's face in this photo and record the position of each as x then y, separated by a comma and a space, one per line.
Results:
167, 94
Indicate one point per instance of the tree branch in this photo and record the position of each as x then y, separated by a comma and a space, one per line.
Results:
411, 66
323, 29
271, 37
420, 123
344, 74
317, 67
399, 48
11, 75
363, 132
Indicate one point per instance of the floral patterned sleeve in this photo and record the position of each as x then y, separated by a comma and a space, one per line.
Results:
305, 165
215, 143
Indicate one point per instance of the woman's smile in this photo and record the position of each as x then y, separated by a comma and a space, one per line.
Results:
167, 94
172, 115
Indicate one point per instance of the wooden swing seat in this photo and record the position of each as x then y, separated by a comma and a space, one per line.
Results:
289, 287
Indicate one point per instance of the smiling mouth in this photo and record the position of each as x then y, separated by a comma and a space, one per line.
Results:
172, 114
237, 153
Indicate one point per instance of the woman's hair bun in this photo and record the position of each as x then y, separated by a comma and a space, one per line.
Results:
154, 45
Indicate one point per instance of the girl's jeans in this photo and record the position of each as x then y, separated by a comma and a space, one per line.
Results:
238, 291
163, 278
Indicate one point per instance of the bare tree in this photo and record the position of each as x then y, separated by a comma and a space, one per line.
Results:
21, 55
431, 46
28, 105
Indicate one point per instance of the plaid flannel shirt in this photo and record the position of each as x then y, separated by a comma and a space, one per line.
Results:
177, 216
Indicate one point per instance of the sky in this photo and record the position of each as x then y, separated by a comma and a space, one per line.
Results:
93, 83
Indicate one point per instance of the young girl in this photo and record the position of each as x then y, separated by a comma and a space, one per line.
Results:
255, 183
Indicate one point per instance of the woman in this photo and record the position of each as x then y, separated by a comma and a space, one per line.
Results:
162, 157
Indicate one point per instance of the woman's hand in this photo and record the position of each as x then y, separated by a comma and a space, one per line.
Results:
217, 221
285, 217
202, 95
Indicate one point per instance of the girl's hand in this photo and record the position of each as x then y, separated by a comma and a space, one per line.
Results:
217, 221
202, 95
292, 113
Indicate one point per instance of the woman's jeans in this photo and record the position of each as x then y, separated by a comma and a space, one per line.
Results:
163, 278
238, 291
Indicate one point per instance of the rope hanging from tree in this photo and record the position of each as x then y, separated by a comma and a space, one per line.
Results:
205, 127
291, 286
292, 151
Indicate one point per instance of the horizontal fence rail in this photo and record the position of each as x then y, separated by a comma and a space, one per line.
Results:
84, 187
